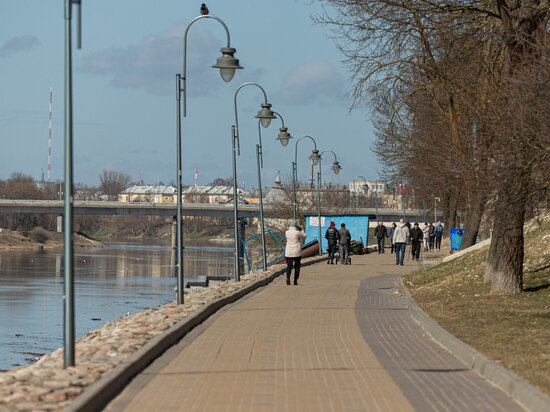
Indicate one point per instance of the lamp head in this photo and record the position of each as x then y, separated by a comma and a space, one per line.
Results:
336, 168
284, 136
265, 114
315, 157
227, 63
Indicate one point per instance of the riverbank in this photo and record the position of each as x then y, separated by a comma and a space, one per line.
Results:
46, 386
10, 239
511, 330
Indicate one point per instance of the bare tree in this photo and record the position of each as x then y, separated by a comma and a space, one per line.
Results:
409, 52
112, 182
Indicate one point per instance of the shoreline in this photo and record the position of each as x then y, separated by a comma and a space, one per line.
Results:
17, 241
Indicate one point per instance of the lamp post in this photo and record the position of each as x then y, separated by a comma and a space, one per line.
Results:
283, 137
227, 64
264, 115
336, 169
365, 186
435, 208
403, 199
376, 199
68, 279
315, 157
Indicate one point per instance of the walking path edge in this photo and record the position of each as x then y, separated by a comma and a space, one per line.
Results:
97, 394
524, 393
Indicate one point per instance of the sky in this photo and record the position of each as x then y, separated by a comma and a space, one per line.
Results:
124, 91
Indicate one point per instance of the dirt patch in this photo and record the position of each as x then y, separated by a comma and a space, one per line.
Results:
510, 330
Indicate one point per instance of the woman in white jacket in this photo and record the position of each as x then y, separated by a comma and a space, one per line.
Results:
295, 237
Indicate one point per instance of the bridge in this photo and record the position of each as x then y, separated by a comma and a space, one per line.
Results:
188, 209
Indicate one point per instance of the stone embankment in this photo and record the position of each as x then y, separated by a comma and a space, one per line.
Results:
47, 386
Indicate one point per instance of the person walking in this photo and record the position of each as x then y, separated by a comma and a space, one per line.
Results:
345, 239
332, 236
438, 231
381, 233
400, 236
390, 235
426, 236
295, 237
432, 236
416, 240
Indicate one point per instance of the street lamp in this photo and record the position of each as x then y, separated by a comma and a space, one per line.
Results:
435, 208
315, 157
336, 169
264, 115
283, 137
227, 64
365, 188
68, 279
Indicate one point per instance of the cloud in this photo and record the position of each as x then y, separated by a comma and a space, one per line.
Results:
153, 64
311, 82
18, 44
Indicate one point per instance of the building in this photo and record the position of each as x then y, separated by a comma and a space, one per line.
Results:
209, 194
148, 193
358, 187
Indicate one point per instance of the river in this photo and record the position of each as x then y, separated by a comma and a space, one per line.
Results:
124, 278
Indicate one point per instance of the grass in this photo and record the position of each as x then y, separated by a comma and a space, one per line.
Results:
513, 331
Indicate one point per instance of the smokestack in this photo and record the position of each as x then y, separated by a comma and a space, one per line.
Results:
196, 176
50, 140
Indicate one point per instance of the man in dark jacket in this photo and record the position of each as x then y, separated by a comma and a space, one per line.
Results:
380, 233
416, 240
432, 236
333, 236
345, 239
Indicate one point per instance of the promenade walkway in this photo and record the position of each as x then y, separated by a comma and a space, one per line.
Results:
342, 340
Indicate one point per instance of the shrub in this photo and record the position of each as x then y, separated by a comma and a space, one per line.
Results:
39, 234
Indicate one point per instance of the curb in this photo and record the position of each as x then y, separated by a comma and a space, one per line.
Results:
100, 392
526, 394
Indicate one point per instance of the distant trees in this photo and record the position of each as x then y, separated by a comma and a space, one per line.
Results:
112, 182
220, 181
22, 186
459, 92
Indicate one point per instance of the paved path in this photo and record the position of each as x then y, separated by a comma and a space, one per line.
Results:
340, 341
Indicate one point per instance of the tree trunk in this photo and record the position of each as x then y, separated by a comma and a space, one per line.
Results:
505, 262
473, 221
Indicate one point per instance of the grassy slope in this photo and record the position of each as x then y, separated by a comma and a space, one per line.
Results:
513, 331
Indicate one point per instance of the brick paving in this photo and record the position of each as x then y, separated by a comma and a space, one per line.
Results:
340, 341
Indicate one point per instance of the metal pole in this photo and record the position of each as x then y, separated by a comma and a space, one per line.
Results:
435, 210
179, 237
237, 274
424, 204
403, 199
261, 207
319, 208
68, 296
376, 199
294, 190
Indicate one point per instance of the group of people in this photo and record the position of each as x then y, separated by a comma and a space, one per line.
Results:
340, 238
401, 233
295, 237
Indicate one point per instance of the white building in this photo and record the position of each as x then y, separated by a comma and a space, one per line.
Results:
358, 187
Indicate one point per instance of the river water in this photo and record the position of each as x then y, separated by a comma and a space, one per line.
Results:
124, 278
